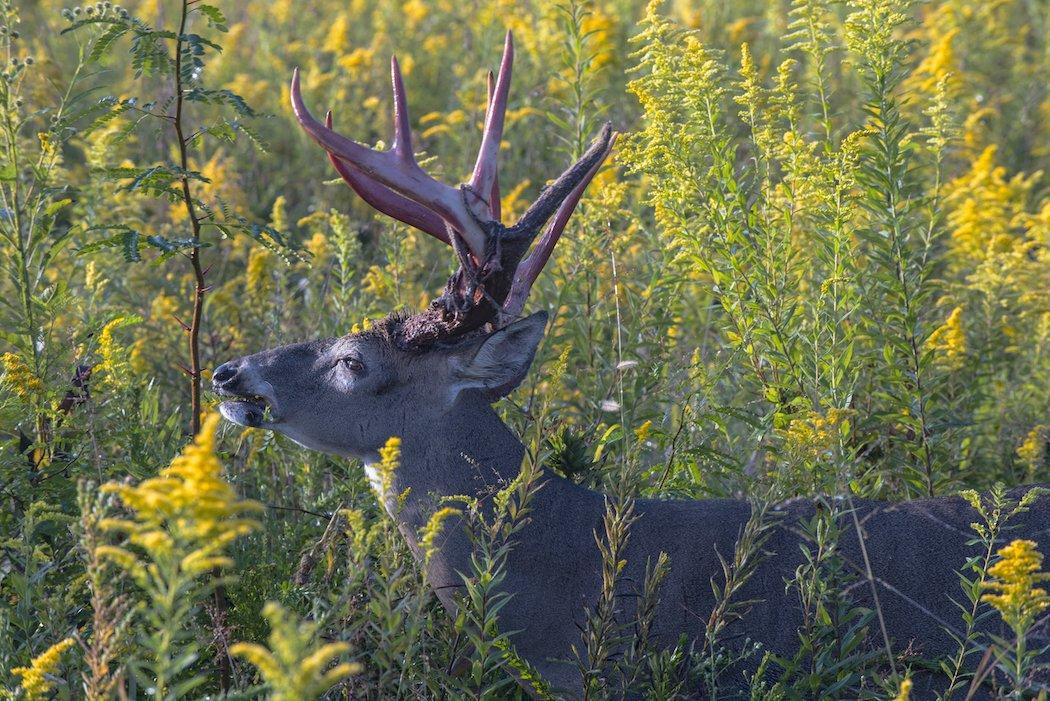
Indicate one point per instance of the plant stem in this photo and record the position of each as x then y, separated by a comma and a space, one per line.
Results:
219, 598
200, 287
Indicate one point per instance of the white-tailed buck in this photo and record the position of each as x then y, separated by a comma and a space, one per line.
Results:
431, 379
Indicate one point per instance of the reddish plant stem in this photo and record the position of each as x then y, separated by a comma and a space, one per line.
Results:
219, 599
195, 224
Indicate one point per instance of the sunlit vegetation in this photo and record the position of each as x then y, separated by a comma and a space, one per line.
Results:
818, 262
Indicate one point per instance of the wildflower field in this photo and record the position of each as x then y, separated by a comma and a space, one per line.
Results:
816, 263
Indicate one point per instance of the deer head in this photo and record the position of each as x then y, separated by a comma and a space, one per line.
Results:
348, 395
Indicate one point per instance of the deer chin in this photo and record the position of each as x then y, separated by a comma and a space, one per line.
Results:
244, 412
250, 411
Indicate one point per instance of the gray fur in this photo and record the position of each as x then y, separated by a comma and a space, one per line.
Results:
453, 442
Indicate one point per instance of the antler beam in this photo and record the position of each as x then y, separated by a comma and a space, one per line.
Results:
397, 168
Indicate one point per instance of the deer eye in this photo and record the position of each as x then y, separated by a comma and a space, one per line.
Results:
352, 364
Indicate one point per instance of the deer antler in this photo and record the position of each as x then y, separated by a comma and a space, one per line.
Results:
492, 281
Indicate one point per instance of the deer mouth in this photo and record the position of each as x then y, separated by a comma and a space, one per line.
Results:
248, 410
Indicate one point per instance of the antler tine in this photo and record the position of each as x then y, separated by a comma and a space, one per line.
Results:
530, 268
552, 197
486, 166
402, 129
387, 201
396, 170
495, 205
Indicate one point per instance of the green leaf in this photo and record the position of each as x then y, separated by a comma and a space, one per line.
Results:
105, 41
56, 206
126, 239
215, 17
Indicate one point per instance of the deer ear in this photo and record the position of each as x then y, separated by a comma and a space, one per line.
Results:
499, 362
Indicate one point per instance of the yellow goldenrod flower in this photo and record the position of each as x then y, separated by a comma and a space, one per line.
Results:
871, 32
812, 435
35, 684
376, 282
433, 528
187, 508
642, 432
1032, 451
317, 245
949, 340
163, 307
294, 667
752, 100
258, 282
93, 278
279, 214
600, 27
389, 461
689, 14
114, 356
364, 325
940, 64
738, 29
986, 208
357, 60
435, 44
514, 203
338, 38
905, 693
356, 529
1019, 601
19, 377
415, 12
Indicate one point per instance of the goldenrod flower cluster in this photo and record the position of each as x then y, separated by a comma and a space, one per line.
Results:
1014, 578
258, 281
389, 461
1032, 451
941, 61
114, 355
188, 510
813, 435
871, 32
163, 308
294, 667
19, 377
949, 340
433, 528
279, 214
905, 692
317, 245
364, 325
377, 282
357, 531
35, 684
987, 209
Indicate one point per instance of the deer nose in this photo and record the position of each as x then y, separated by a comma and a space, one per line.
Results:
224, 374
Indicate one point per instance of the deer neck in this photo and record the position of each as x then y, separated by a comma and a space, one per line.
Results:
469, 451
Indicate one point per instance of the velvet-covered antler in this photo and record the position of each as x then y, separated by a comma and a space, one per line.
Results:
492, 282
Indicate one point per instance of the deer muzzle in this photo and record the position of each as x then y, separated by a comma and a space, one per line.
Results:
250, 400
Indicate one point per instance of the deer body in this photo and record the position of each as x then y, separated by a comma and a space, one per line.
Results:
431, 378
554, 571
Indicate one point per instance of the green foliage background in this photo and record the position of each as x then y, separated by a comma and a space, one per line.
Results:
818, 262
